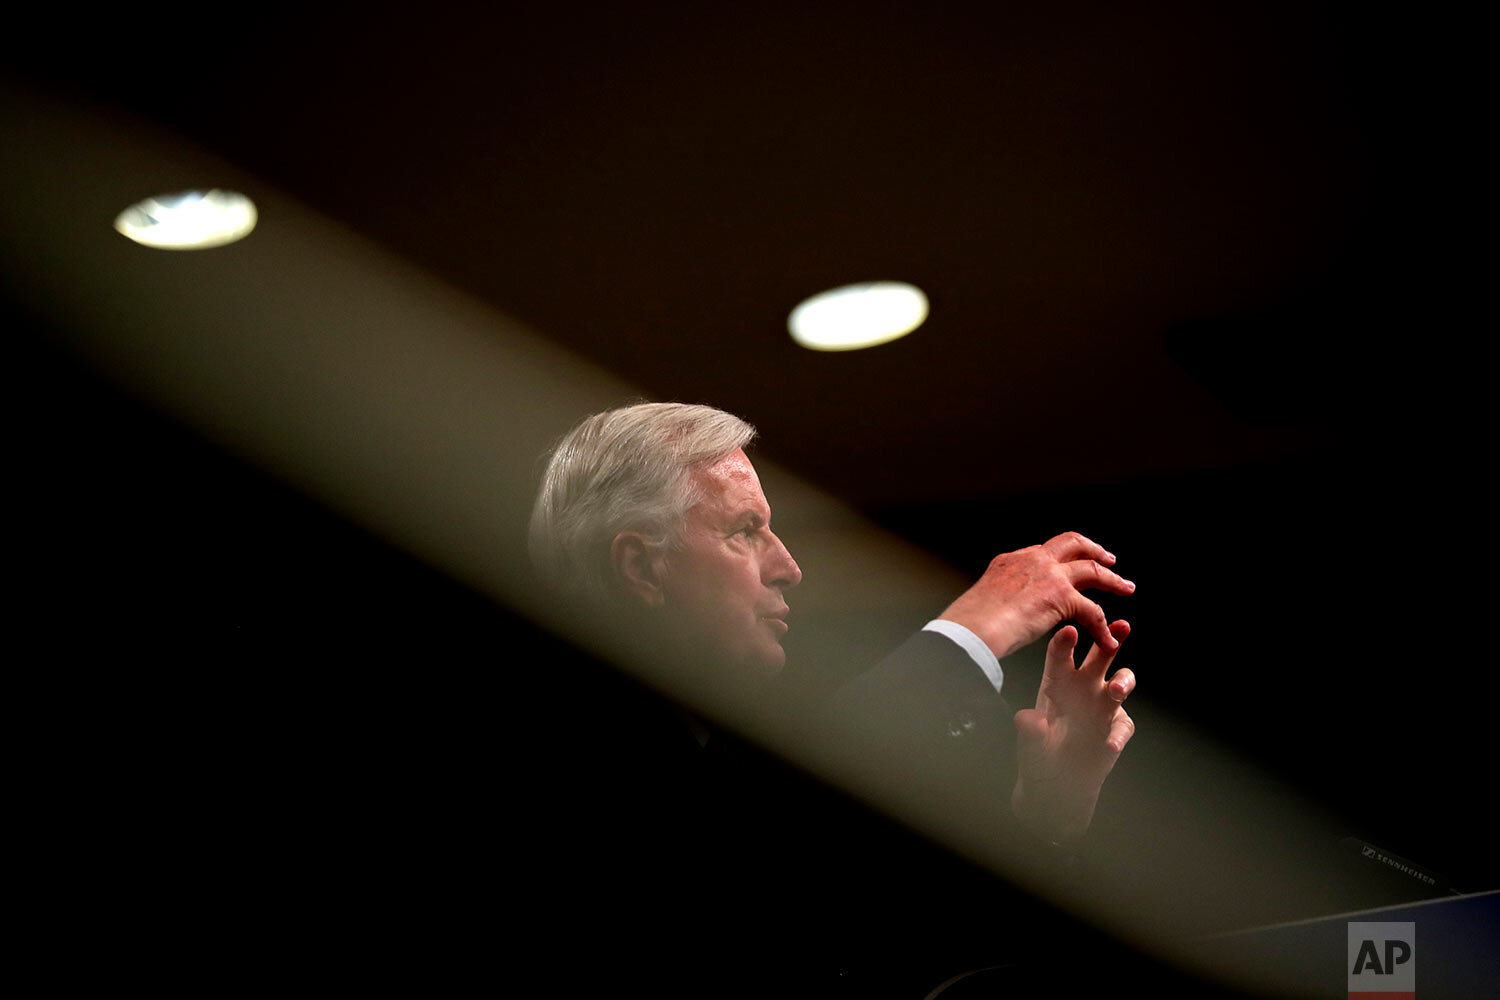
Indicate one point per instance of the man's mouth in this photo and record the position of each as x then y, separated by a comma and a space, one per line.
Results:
777, 620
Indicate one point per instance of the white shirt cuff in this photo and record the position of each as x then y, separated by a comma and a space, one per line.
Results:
973, 645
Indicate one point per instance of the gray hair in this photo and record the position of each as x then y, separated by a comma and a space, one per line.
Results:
628, 469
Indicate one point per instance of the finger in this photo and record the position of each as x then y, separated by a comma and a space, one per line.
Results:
1089, 574
1120, 732
1088, 614
1071, 545
1121, 684
1097, 662
1060, 651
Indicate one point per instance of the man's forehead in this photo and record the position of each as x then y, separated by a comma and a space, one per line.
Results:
731, 482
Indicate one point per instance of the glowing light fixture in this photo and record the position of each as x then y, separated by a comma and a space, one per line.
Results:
855, 316
188, 220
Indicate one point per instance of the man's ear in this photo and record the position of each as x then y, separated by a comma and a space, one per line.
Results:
637, 569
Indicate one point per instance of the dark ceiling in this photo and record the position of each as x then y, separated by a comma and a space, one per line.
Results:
1162, 238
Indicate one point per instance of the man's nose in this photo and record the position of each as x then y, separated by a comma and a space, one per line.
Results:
781, 569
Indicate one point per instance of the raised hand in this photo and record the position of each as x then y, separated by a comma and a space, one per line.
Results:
1068, 744
1024, 594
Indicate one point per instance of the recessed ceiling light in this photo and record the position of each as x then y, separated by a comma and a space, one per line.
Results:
188, 220
855, 316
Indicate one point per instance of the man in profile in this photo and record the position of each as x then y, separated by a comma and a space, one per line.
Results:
653, 514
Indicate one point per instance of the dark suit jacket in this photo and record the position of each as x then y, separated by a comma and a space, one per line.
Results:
719, 870
933, 710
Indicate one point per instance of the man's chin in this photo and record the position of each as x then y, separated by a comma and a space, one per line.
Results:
764, 667
775, 660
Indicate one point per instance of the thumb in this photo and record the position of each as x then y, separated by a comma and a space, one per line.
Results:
1031, 736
